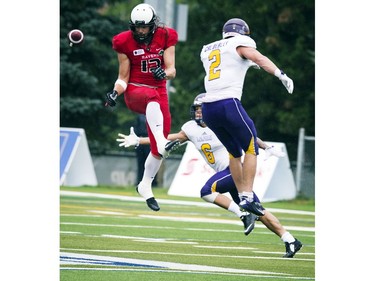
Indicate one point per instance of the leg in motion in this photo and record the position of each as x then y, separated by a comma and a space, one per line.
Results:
155, 122
144, 188
292, 245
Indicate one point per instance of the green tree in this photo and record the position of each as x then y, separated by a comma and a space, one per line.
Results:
87, 71
283, 30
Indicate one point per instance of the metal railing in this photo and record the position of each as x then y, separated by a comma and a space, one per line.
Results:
302, 138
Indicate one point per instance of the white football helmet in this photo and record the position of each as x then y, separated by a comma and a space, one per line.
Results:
143, 15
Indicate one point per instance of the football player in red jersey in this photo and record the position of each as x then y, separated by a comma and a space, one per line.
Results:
146, 56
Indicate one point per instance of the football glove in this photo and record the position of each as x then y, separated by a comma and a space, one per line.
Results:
273, 151
159, 73
131, 140
287, 82
110, 98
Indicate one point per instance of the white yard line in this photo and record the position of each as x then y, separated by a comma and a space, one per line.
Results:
168, 201
208, 220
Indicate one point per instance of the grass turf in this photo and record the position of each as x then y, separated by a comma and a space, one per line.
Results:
191, 235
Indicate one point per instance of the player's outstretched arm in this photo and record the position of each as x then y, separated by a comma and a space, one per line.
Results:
270, 150
129, 140
265, 63
133, 140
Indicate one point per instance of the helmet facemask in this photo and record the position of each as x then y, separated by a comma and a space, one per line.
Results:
193, 108
193, 114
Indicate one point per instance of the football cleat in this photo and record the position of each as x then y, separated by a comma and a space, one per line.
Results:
169, 146
153, 204
252, 207
248, 220
292, 248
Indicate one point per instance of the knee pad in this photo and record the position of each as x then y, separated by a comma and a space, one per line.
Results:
210, 198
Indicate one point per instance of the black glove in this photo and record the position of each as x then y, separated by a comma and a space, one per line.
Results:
159, 73
110, 98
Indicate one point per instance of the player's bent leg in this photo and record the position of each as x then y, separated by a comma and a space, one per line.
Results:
248, 219
272, 223
292, 245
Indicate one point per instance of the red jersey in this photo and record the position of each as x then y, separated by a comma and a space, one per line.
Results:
145, 57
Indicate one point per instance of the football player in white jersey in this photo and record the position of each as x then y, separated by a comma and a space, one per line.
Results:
226, 62
216, 156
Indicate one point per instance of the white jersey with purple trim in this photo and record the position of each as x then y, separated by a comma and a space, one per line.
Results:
208, 145
225, 68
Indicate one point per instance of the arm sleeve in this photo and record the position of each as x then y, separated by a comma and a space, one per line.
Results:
245, 41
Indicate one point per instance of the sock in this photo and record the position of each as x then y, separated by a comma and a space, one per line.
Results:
152, 166
234, 208
246, 195
155, 121
287, 237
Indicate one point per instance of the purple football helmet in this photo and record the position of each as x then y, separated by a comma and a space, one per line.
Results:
197, 103
235, 27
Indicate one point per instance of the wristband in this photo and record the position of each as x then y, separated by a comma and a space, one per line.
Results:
122, 83
114, 94
137, 144
278, 73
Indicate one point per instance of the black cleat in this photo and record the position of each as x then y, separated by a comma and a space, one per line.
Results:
153, 204
252, 207
170, 146
248, 222
292, 248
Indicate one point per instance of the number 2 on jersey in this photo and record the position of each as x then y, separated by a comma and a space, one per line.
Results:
214, 58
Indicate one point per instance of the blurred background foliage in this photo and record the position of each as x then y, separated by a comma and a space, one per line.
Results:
283, 30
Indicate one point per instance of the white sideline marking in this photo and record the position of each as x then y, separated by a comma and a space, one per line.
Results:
282, 253
107, 212
70, 232
185, 272
222, 247
190, 255
186, 219
258, 225
168, 201
73, 258
147, 239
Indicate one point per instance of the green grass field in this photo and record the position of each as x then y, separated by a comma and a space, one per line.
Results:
110, 234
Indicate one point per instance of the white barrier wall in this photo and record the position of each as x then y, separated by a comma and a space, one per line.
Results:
274, 179
76, 166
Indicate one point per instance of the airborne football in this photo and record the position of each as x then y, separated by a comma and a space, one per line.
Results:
75, 37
